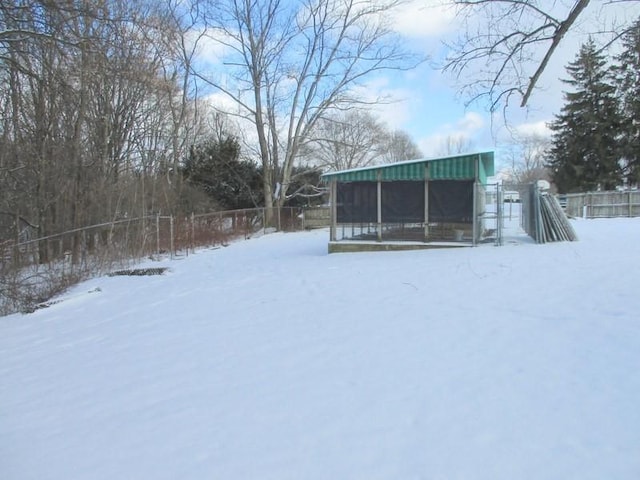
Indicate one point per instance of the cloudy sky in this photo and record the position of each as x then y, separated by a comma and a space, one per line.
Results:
429, 107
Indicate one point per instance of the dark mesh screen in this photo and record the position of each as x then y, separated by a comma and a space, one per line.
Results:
357, 202
451, 201
403, 202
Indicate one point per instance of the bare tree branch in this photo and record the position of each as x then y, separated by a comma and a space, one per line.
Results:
294, 63
504, 40
557, 37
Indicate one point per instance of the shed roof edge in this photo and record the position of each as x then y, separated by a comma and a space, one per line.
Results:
327, 175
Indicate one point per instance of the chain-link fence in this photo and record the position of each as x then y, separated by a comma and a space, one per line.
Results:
36, 269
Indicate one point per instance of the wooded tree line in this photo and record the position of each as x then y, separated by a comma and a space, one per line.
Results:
104, 111
97, 108
596, 136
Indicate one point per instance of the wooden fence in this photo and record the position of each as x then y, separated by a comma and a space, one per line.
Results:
602, 204
316, 217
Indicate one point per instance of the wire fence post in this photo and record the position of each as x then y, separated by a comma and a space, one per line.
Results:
279, 222
157, 234
171, 236
193, 233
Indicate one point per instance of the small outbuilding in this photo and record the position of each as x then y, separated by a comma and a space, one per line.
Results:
427, 203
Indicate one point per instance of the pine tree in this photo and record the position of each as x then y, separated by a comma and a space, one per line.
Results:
627, 72
585, 153
214, 166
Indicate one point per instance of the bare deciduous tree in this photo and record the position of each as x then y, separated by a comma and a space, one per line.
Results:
355, 139
455, 144
507, 44
288, 64
400, 146
349, 140
527, 155
96, 104
97, 108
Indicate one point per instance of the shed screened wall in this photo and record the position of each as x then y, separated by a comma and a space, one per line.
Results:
421, 200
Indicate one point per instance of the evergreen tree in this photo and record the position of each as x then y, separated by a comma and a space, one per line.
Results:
214, 166
585, 154
627, 73
306, 187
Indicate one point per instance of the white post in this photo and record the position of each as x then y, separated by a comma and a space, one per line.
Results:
426, 202
333, 220
379, 207
474, 227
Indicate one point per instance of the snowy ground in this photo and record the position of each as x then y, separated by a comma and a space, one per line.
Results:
270, 359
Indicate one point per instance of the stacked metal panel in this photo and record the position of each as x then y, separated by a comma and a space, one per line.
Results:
543, 218
552, 223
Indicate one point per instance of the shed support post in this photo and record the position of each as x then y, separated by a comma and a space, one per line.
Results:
334, 211
379, 208
476, 168
475, 213
426, 203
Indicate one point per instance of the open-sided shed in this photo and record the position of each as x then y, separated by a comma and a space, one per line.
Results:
428, 201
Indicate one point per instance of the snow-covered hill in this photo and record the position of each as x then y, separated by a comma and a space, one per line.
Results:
270, 359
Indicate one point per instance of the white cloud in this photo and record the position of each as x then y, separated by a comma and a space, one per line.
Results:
510, 134
424, 19
209, 45
395, 112
463, 134
222, 102
471, 122
539, 128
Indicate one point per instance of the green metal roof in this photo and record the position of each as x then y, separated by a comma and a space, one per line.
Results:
458, 167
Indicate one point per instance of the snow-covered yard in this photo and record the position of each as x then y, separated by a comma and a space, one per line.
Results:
270, 359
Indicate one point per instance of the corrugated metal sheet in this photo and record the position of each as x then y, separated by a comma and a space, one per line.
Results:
482, 172
368, 175
404, 171
487, 168
459, 167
